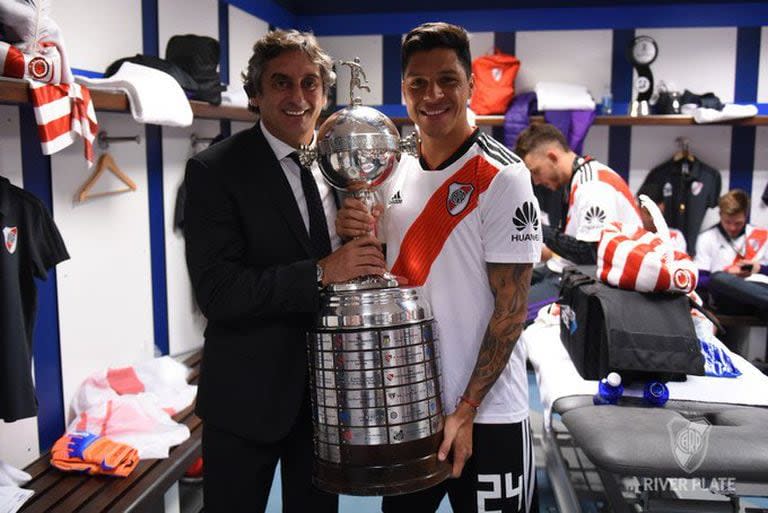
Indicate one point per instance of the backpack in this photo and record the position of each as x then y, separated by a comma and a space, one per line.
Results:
494, 83
199, 57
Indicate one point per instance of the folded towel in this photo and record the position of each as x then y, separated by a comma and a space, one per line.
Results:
730, 111
155, 97
235, 96
92, 454
563, 96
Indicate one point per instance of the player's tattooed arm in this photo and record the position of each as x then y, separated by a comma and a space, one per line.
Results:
509, 284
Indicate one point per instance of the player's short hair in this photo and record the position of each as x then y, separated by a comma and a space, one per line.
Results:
274, 44
538, 135
653, 190
437, 35
733, 202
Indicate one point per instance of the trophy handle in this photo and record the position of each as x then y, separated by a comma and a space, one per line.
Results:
307, 155
410, 144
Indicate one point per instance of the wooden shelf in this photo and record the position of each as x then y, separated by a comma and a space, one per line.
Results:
16, 92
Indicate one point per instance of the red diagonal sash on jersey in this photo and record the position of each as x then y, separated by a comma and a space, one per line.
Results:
427, 235
752, 245
610, 178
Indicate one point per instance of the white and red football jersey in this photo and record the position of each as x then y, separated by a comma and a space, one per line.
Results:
441, 228
715, 251
598, 196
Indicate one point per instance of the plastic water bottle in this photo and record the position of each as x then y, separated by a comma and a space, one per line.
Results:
655, 393
609, 390
607, 103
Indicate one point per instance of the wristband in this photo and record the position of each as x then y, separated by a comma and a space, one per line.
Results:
474, 404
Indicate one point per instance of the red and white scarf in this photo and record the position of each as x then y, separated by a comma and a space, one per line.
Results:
63, 112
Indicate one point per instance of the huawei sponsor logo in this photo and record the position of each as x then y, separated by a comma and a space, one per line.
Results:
526, 219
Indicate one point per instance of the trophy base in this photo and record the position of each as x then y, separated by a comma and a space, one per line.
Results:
639, 108
369, 282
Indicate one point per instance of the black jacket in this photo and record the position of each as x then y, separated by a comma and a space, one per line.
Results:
253, 273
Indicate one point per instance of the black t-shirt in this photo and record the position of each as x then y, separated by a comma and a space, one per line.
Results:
689, 189
30, 245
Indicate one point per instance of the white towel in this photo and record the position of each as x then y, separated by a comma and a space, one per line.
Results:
235, 96
155, 96
563, 96
11, 496
730, 111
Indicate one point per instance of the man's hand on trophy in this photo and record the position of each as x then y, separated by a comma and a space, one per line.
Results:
358, 257
353, 219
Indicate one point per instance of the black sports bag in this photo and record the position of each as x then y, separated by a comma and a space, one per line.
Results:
640, 336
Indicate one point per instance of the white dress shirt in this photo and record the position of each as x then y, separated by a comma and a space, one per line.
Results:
293, 174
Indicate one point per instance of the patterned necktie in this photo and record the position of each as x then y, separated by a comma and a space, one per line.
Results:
318, 227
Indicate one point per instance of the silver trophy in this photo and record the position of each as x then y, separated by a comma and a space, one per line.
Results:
357, 149
373, 360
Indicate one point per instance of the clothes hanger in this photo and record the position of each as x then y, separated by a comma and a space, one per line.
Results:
684, 152
106, 162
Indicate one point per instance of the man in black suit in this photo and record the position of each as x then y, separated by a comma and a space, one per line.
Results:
260, 242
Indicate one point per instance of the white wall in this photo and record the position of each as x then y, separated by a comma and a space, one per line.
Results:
185, 322
105, 290
98, 33
574, 56
244, 30
759, 213
18, 440
345, 48
200, 17
701, 60
762, 82
596, 144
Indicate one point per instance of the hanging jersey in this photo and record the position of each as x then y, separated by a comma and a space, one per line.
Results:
598, 196
715, 251
689, 190
30, 245
441, 228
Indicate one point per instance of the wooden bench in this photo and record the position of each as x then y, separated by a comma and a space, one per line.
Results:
142, 490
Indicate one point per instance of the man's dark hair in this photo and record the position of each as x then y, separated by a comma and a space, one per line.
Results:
271, 46
653, 190
536, 136
437, 35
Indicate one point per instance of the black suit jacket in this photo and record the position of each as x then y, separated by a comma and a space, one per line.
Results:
253, 272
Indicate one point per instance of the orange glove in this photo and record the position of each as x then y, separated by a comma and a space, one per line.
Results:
92, 454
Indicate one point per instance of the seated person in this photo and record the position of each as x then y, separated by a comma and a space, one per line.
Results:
593, 195
732, 257
654, 193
